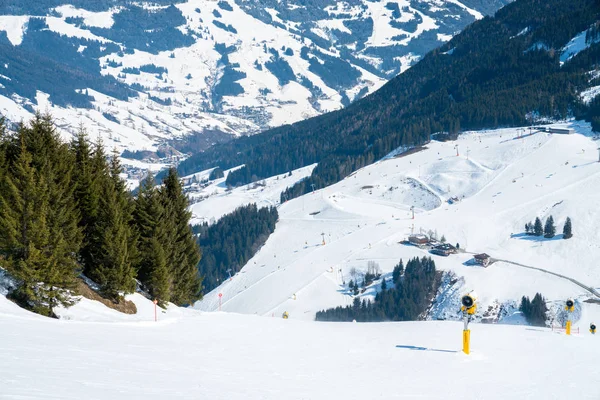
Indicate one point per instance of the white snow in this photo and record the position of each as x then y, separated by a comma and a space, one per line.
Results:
60, 26
192, 355
444, 38
98, 19
218, 200
590, 93
505, 180
14, 26
522, 32
575, 46
474, 13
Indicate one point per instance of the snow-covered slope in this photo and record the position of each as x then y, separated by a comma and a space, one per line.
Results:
211, 200
503, 178
139, 74
225, 356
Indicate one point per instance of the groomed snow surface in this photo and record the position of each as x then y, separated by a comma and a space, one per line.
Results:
194, 355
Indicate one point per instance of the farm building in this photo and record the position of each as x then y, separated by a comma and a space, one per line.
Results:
453, 200
439, 252
550, 129
418, 239
562, 131
444, 249
482, 259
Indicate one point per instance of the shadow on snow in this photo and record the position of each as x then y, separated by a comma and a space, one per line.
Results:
533, 238
399, 346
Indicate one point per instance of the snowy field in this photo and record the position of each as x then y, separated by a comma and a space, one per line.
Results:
192, 355
503, 178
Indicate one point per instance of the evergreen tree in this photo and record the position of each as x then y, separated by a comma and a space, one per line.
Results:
158, 280
216, 173
183, 253
549, 228
232, 241
397, 272
525, 306
86, 194
150, 220
567, 229
534, 310
408, 300
538, 229
383, 284
125, 201
528, 229
112, 267
38, 219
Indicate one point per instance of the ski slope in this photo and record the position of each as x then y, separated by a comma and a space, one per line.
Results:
212, 200
504, 179
194, 355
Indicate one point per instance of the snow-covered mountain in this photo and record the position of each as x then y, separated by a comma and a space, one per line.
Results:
502, 178
142, 73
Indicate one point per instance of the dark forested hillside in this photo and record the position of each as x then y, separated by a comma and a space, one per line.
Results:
407, 300
232, 241
492, 74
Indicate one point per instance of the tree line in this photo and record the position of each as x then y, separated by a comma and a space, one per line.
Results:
534, 310
232, 241
409, 297
548, 229
65, 211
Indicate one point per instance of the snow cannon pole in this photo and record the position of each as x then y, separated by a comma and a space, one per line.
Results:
155, 315
466, 341
569, 307
468, 309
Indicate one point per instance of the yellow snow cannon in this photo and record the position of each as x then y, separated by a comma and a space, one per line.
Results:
570, 305
285, 315
468, 308
592, 329
469, 303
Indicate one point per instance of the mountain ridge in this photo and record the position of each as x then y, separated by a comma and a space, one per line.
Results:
499, 71
155, 71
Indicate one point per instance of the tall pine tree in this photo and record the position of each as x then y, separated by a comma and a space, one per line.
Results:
38, 217
150, 220
183, 253
567, 229
538, 229
87, 192
113, 256
549, 228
